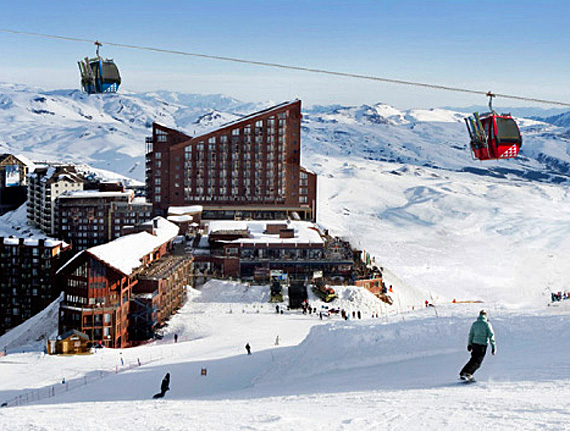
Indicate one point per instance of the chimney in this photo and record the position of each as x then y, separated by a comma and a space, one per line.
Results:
287, 233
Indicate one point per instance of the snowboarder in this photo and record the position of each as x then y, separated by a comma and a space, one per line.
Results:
481, 332
164, 386
248, 348
277, 340
176, 338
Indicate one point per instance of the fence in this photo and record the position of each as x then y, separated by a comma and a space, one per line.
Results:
70, 385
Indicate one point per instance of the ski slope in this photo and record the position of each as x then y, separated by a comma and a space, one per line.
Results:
395, 372
398, 184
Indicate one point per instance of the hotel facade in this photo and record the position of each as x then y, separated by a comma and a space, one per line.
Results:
246, 169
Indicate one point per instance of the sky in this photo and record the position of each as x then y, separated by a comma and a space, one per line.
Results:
511, 47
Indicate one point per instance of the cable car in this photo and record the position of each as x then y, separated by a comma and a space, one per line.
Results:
99, 75
493, 136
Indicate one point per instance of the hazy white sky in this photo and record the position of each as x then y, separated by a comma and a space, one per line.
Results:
514, 47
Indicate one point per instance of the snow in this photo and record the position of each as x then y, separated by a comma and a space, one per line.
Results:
81, 194
397, 371
179, 219
125, 253
304, 232
398, 184
33, 333
15, 223
184, 210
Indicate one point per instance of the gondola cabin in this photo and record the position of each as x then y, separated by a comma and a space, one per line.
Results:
99, 75
493, 136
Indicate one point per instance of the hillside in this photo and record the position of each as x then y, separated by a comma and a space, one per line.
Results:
395, 372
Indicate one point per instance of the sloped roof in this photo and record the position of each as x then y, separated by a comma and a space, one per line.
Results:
72, 332
125, 254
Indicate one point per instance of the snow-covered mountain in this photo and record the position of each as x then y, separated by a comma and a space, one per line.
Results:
108, 131
399, 184
562, 120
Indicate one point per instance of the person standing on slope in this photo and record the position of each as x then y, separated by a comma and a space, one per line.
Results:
481, 332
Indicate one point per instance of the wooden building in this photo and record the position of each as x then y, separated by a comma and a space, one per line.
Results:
14, 171
101, 283
72, 342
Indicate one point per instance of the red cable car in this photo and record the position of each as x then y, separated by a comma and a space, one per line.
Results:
493, 136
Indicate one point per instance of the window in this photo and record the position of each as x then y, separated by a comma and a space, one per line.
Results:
158, 155
161, 136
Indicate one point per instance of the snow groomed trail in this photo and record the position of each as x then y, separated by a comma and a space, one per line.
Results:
397, 372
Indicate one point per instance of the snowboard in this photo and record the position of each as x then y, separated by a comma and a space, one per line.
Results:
466, 380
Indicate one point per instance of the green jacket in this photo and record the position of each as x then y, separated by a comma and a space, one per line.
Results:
481, 332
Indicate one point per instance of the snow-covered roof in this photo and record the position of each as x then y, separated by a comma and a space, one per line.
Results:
192, 209
305, 232
179, 218
125, 254
31, 165
34, 242
78, 194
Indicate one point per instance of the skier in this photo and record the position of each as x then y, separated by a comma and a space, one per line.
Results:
248, 348
481, 332
164, 386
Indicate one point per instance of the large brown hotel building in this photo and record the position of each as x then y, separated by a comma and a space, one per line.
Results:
249, 168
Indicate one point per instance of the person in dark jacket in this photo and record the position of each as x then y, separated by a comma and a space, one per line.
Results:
164, 386
248, 348
480, 334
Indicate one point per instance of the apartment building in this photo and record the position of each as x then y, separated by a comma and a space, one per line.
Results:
27, 277
45, 184
86, 218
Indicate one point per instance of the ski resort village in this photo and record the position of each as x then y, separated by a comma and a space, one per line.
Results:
284, 216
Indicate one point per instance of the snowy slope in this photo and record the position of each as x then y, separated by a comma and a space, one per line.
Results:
33, 333
398, 372
457, 235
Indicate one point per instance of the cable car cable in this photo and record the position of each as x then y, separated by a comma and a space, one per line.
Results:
297, 68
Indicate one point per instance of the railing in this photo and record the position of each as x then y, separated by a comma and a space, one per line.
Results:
69, 385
